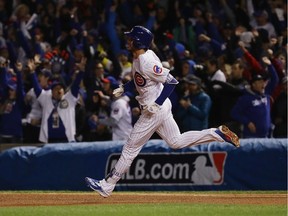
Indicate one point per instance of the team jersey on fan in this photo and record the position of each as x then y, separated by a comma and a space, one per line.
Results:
121, 112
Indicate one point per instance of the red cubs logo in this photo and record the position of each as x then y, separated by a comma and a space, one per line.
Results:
157, 69
139, 80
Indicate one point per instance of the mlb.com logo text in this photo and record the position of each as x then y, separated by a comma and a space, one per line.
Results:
188, 168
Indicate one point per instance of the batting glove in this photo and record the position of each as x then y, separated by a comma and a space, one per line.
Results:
153, 108
118, 91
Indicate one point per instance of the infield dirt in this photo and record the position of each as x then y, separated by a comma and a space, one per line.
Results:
87, 198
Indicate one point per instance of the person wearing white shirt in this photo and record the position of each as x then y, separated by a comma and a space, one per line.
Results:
120, 118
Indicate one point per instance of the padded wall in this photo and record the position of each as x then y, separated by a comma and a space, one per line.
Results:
259, 164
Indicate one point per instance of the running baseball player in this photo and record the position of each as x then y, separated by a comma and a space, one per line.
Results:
154, 85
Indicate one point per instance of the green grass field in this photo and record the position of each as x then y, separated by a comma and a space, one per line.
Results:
147, 209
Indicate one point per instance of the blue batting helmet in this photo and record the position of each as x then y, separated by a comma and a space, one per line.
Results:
142, 37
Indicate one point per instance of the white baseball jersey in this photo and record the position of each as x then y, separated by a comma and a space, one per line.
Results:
36, 109
149, 74
121, 113
65, 109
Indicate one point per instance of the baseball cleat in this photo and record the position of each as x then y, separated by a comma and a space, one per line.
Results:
228, 136
96, 186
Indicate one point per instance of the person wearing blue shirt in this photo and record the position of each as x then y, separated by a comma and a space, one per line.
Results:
252, 109
11, 105
194, 108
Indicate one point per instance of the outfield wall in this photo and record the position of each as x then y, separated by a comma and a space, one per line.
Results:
259, 164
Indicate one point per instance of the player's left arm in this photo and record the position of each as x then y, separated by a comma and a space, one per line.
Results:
169, 86
159, 74
162, 75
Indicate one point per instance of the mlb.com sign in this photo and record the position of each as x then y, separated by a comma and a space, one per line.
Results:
201, 168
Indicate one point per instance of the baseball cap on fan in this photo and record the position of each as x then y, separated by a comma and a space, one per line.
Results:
56, 83
257, 77
45, 72
192, 79
260, 13
123, 52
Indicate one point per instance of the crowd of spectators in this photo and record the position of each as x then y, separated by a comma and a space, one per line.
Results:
60, 61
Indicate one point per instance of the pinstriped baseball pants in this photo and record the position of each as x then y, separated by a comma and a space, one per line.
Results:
164, 124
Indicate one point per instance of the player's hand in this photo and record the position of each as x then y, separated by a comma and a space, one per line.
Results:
153, 108
118, 91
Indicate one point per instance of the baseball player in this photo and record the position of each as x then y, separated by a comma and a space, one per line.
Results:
154, 84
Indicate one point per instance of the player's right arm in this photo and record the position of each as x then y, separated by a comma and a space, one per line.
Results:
129, 86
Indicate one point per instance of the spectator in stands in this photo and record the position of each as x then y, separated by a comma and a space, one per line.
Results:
224, 46
183, 33
251, 64
225, 98
193, 111
91, 29
107, 89
120, 119
33, 119
97, 107
236, 77
80, 111
261, 21
253, 109
279, 112
125, 63
186, 69
58, 115
214, 72
94, 82
161, 24
11, 105
209, 75
278, 60
80, 118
